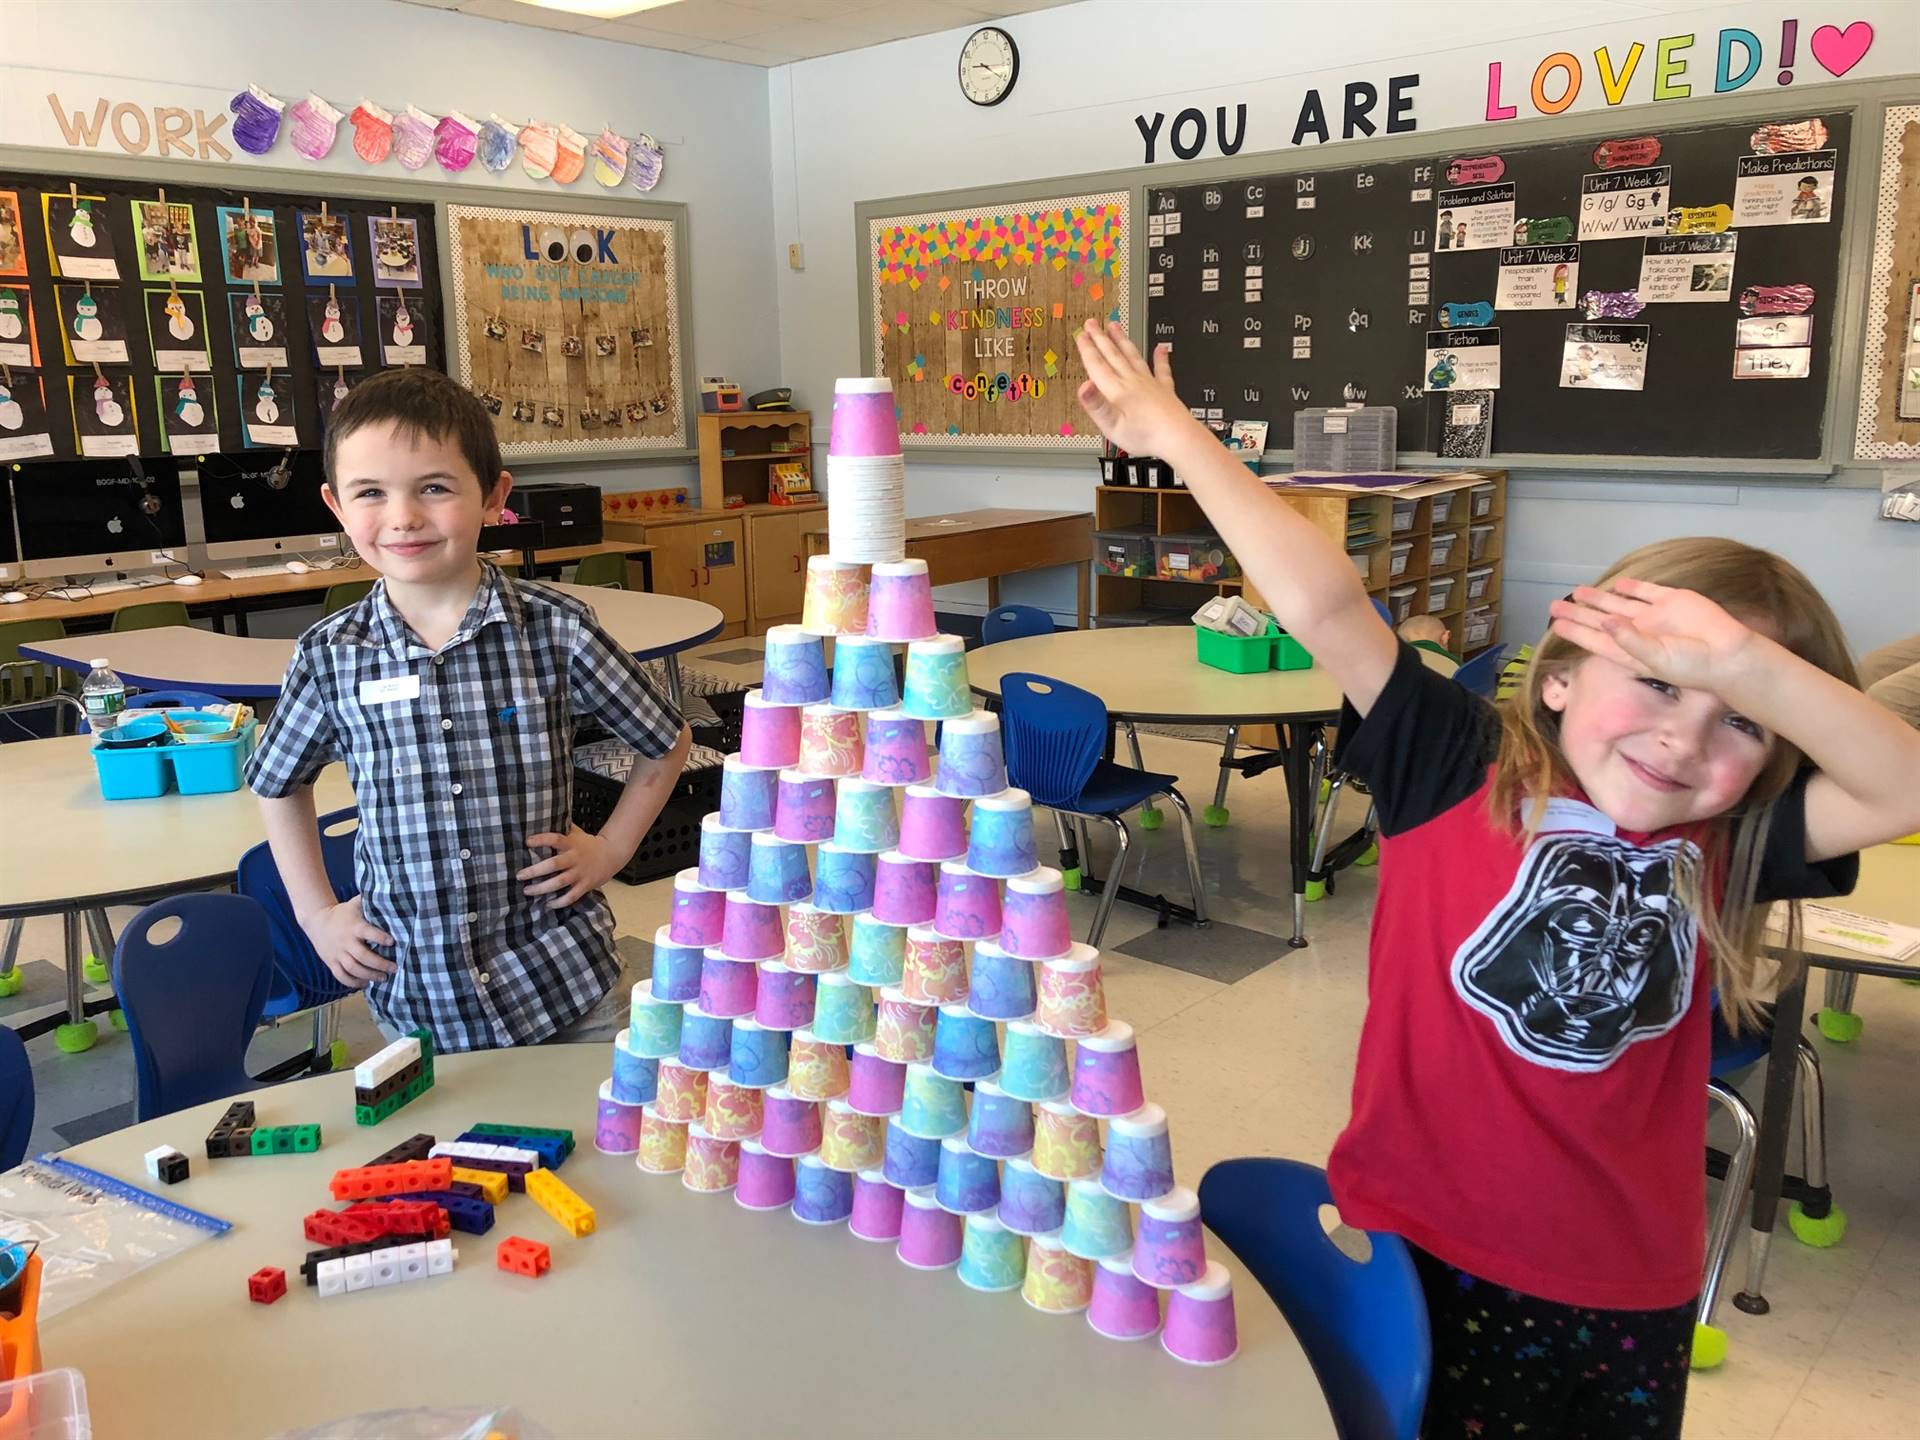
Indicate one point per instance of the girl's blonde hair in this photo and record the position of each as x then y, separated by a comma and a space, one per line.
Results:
1764, 591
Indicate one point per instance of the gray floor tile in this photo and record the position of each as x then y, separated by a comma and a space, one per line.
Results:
735, 657
91, 1127
1223, 952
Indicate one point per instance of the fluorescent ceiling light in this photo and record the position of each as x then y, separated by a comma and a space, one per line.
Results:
601, 9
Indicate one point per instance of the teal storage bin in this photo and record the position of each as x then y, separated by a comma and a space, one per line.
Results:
133, 774
212, 767
207, 767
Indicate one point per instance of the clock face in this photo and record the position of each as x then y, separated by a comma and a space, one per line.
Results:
989, 64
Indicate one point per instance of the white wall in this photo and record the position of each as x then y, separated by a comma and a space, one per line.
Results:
890, 121
711, 116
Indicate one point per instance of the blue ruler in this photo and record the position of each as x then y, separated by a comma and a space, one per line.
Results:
134, 1195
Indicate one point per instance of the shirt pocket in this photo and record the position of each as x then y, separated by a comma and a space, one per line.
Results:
533, 747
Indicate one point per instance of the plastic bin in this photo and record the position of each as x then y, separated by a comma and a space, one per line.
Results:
1478, 582
1401, 551
45, 1405
673, 842
206, 767
1441, 551
1126, 551
1236, 654
1481, 499
1439, 594
1479, 537
1403, 511
1193, 555
1400, 601
1477, 627
1290, 654
212, 767
1440, 507
1362, 562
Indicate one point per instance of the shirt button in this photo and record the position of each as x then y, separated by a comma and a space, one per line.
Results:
484, 977
466, 854
456, 787
439, 659
446, 724
473, 917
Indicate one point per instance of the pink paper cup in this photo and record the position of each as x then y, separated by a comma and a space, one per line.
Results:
900, 602
816, 940
896, 749
1170, 1247
769, 732
930, 1238
803, 808
875, 1086
699, 914
935, 972
1072, 999
831, 741
1106, 1073
616, 1129
789, 1125
682, 1095
864, 423
712, 1165
766, 1180
904, 890
663, 1143
903, 1030
1123, 1306
1033, 916
1200, 1323
966, 905
749, 930
932, 826
733, 1111
877, 1208
727, 987
785, 997
816, 1068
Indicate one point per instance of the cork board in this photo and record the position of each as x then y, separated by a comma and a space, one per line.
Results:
568, 328
974, 313
1892, 359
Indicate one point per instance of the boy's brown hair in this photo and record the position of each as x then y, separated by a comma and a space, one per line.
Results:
418, 401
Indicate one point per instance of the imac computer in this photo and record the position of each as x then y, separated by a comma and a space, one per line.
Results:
84, 517
266, 503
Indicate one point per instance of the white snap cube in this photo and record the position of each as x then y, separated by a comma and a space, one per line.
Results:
386, 1266
155, 1156
413, 1261
439, 1257
359, 1272
331, 1277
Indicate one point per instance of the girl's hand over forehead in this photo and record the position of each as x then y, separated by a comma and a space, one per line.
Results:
1678, 635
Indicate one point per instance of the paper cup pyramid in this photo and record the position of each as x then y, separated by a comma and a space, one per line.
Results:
869, 1009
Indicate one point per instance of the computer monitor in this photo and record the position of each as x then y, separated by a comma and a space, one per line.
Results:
9, 546
81, 517
266, 502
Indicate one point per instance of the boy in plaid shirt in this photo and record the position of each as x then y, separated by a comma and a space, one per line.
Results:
451, 691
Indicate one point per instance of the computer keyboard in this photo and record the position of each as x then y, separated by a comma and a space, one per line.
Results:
253, 572
104, 587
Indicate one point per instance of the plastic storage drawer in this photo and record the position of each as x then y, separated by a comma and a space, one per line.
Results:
1440, 507
1479, 582
1127, 551
1439, 594
1400, 552
1481, 498
1479, 537
1441, 551
1193, 555
1403, 511
1400, 601
1476, 628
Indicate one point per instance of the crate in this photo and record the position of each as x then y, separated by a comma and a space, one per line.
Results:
1439, 594
1479, 537
1400, 602
1477, 627
1126, 552
1358, 439
1400, 552
1441, 551
1479, 582
1193, 555
1403, 512
1480, 499
205, 767
674, 841
1236, 654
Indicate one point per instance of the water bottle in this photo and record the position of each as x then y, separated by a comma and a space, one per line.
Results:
104, 695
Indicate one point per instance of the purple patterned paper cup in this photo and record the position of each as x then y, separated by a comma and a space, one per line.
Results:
1124, 1307
999, 987
1030, 1203
803, 808
676, 966
1170, 1249
616, 1129
896, 750
966, 1183
777, 870
1200, 1325
863, 677
972, 763
904, 890
843, 880
728, 987
932, 826
789, 1125
903, 1030
785, 997
816, 939
1001, 841
965, 1047
769, 733
747, 794
1139, 1160
878, 951
698, 912
1106, 1072
864, 423
935, 969
723, 854
821, 1196
966, 905
875, 1086
999, 1125
796, 667
766, 1180
750, 930
911, 1162
900, 602
930, 1238
877, 1207
1033, 916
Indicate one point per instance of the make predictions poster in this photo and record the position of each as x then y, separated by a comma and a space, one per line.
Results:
974, 314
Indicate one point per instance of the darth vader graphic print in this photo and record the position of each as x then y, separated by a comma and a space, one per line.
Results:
1591, 950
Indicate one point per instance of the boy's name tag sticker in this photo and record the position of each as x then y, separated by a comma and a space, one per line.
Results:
382, 692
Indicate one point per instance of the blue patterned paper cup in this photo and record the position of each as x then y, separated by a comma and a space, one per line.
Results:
936, 679
842, 1010
1001, 841
843, 879
776, 870
1097, 1226
1030, 1203
796, 667
653, 1024
966, 1183
910, 1161
1033, 1065
821, 1196
636, 1077
999, 1125
864, 816
965, 1047
972, 763
758, 1055
1000, 986
863, 675
747, 794
676, 967
933, 1106
1139, 1160
706, 1041
878, 954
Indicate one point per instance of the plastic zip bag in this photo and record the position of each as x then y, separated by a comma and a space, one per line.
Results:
425, 1424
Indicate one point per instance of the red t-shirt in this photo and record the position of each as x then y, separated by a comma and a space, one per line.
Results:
1530, 1098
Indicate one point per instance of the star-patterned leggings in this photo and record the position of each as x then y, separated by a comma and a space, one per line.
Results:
1506, 1364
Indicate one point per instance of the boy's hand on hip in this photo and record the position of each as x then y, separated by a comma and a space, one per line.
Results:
1132, 403
581, 863
341, 937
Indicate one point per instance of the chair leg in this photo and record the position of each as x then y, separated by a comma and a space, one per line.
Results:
1837, 1020
1316, 869
1114, 878
1216, 814
10, 981
1069, 853
326, 1029
1709, 1345
1817, 1221
1150, 818
1087, 875
1185, 812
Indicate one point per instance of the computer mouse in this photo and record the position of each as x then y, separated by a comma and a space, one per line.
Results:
188, 580
298, 567
12, 597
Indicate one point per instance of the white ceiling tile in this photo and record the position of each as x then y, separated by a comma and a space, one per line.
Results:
803, 42
537, 16
790, 12
906, 18
706, 19
744, 54
631, 32
434, 4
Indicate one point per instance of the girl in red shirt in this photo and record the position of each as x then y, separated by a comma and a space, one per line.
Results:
1563, 881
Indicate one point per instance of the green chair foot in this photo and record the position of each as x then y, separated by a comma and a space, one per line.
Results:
1822, 1234
96, 971
73, 1038
1316, 891
1070, 879
1215, 817
1843, 1027
10, 983
1709, 1347
1152, 819
118, 1017
337, 1055
1369, 856
1910, 982
1326, 789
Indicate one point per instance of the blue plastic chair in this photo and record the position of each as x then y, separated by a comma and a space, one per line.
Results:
1480, 674
1055, 736
1363, 1324
16, 1099
186, 699
1014, 622
193, 1001
300, 980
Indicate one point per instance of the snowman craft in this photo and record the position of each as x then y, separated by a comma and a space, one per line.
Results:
259, 326
10, 326
331, 330
402, 325
86, 319
186, 404
265, 406
178, 325
80, 227
12, 417
339, 393
105, 407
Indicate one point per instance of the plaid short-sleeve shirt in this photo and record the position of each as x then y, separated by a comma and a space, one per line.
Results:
456, 757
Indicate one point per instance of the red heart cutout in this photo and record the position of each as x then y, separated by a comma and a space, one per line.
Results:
1840, 50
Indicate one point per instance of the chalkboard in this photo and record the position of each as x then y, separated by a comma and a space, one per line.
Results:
1313, 288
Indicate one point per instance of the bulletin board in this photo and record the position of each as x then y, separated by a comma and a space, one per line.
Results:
1322, 287
1888, 424
569, 328
972, 314
264, 304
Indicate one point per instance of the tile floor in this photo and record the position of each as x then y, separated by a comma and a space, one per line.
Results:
1252, 1053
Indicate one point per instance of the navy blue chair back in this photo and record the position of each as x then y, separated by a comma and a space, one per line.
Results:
1362, 1324
16, 1099
185, 699
1482, 673
300, 981
1014, 622
192, 1001
1054, 734
1386, 615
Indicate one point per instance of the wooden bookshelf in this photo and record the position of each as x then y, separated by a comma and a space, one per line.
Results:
738, 448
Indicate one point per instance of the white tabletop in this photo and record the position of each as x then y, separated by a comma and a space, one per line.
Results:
65, 845
1151, 672
682, 1315
1889, 889
244, 668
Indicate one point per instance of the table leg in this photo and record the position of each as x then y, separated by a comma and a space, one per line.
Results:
1770, 1158
1084, 606
239, 618
79, 1033
1297, 740
671, 663
646, 570
993, 592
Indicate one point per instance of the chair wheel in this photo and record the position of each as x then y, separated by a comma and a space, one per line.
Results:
1215, 817
337, 1055
1152, 819
118, 1017
75, 1037
10, 983
96, 971
1070, 879
1843, 1027
1709, 1347
1316, 891
1368, 856
1821, 1234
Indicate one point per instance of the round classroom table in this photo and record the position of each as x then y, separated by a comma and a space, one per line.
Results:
682, 1314
177, 656
1151, 673
66, 851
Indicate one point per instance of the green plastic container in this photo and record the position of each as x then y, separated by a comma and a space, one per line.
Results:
1234, 654
1290, 654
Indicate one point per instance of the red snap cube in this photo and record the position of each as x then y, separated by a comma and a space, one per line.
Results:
266, 1285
